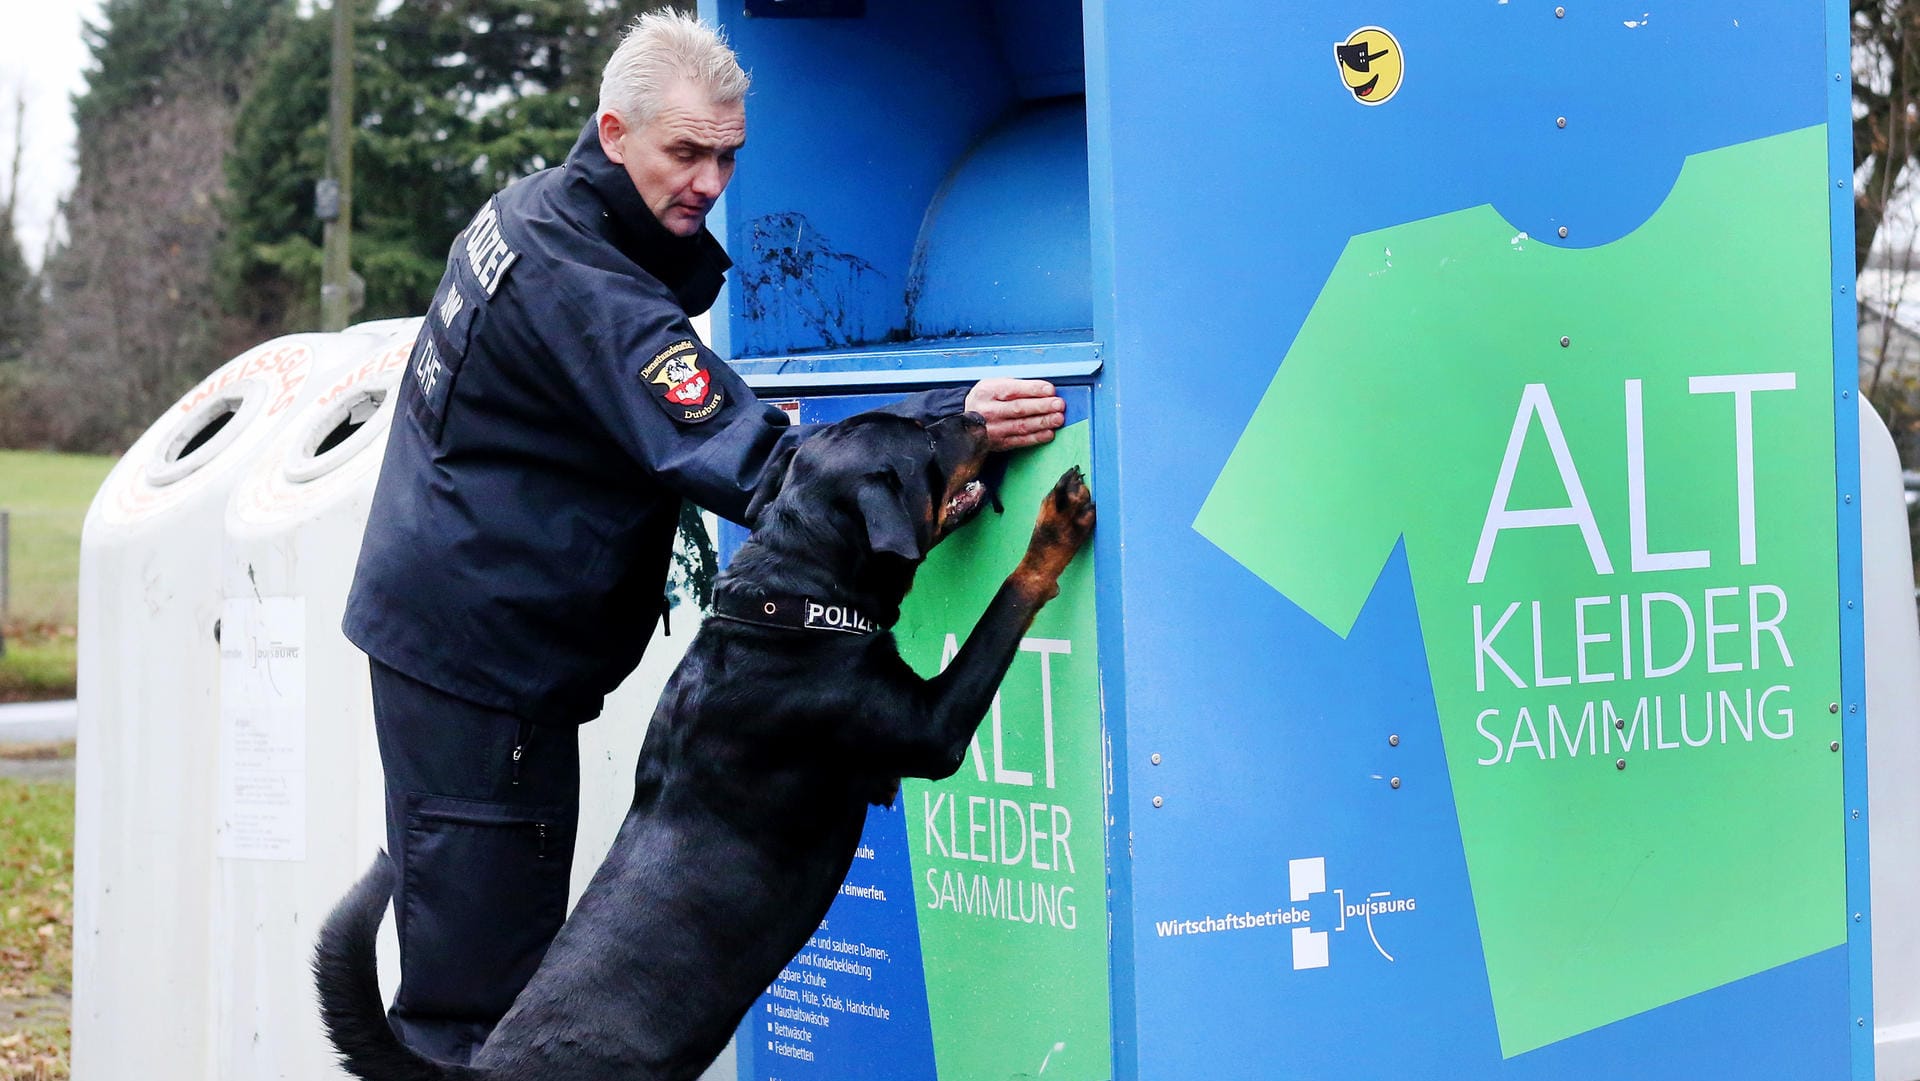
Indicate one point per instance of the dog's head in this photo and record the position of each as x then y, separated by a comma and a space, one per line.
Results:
908, 484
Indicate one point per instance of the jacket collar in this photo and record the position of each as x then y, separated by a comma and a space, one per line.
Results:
694, 267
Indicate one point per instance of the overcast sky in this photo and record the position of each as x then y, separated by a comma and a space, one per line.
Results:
41, 58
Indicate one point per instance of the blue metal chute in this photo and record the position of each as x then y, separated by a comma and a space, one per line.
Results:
1004, 247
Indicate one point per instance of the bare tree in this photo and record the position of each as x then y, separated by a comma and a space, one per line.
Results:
135, 321
1886, 73
1886, 120
19, 152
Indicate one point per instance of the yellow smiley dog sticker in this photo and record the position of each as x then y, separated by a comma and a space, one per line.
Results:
1370, 64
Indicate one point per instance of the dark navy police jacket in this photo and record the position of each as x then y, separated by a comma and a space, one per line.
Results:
556, 409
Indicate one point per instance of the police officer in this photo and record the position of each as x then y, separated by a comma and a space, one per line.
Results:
557, 409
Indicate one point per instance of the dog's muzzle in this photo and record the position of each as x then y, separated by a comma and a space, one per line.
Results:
965, 504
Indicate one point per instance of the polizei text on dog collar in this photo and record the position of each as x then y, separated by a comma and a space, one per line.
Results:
837, 617
795, 613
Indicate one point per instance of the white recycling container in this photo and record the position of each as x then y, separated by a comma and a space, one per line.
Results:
1893, 751
297, 796
150, 600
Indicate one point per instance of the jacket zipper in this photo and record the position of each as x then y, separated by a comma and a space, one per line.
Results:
542, 831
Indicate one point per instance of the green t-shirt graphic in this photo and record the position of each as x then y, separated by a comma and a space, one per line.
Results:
1614, 472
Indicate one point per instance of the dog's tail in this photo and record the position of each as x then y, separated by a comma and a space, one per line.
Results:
348, 981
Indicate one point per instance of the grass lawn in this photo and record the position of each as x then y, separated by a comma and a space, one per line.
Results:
46, 497
39, 665
36, 928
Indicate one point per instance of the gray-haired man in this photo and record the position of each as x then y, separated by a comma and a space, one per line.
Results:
558, 409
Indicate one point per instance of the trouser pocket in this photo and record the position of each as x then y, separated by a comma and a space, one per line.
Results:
483, 891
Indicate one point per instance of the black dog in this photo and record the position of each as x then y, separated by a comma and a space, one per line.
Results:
790, 714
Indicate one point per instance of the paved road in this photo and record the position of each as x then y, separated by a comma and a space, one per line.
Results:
37, 722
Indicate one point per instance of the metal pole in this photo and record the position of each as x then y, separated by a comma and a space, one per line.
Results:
337, 271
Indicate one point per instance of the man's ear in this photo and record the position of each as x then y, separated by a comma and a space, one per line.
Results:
772, 477
612, 130
893, 526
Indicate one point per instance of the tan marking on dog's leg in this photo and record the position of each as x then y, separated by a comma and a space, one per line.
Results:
1064, 524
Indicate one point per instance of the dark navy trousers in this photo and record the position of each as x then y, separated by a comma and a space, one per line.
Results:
481, 810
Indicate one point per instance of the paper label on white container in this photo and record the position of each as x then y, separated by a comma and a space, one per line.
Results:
263, 729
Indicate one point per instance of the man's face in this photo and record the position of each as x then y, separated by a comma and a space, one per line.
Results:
680, 161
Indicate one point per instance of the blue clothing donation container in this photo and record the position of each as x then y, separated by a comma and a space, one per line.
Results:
1465, 680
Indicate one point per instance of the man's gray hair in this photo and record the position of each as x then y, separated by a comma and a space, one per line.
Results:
660, 47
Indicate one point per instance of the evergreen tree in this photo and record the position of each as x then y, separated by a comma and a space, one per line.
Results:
454, 100
19, 295
145, 51
19, 288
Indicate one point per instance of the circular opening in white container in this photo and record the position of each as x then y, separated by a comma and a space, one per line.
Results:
201, 435
340, 433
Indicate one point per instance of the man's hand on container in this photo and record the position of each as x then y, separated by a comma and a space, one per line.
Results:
1018, 412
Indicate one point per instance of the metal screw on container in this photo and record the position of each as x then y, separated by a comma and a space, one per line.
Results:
1565, 341
1856, 812
1393, 741
1559, 13
1157, 801
1621, 724
1834, 746
1563, 232
1156, 759
1833, 707
1619, 763
1559, 121
1395, 782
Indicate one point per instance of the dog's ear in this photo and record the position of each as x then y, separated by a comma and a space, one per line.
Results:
893, 524
771, 479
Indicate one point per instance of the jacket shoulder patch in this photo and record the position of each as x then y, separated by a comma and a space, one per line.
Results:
683, 386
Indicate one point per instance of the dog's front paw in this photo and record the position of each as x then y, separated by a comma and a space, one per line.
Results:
1068, 509
1065, 523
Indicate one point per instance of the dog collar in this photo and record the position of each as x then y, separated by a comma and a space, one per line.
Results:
788, 612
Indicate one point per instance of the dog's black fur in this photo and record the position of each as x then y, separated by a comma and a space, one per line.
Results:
753, 785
